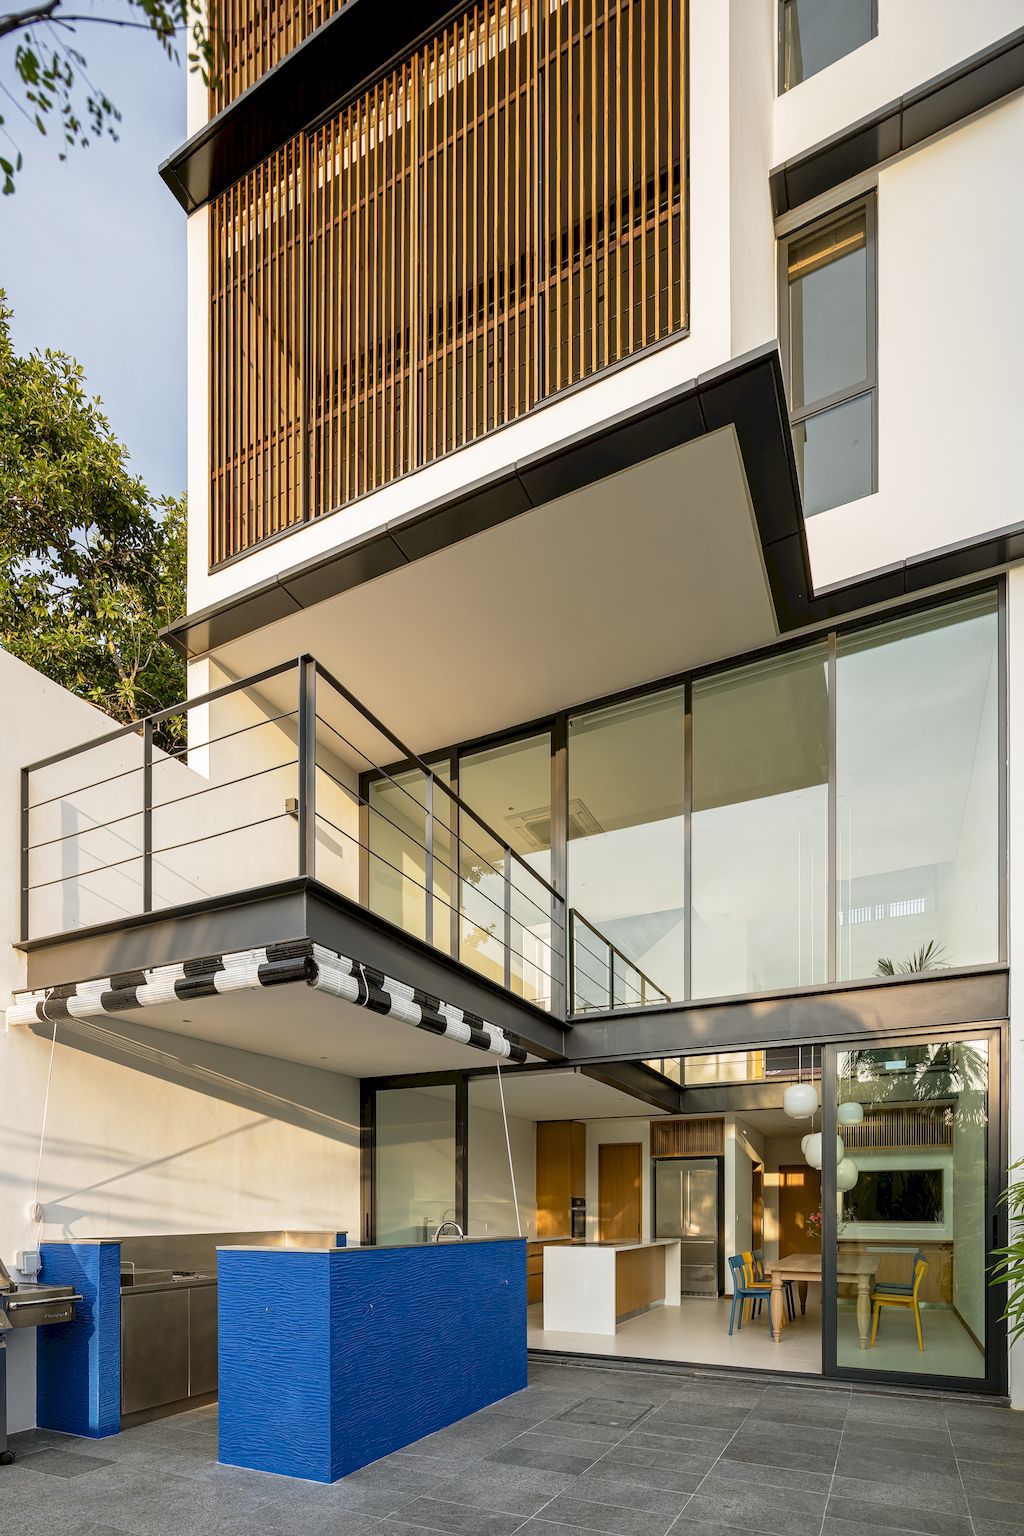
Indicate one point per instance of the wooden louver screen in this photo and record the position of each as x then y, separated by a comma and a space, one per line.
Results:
695, 1136
251, 36
498, 217
902, 1126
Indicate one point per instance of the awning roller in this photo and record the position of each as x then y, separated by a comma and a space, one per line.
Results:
298, 960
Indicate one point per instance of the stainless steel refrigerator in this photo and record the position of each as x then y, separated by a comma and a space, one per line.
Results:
686, 1207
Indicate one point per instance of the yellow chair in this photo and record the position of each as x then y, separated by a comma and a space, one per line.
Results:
883, 1298
753, 1280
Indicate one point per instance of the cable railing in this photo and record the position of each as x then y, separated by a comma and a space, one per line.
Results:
602, 976
283, 776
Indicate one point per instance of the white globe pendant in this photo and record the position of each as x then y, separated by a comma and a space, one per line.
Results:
851, 1113
800, 1101
847, 1174
803, 1143
812, 1151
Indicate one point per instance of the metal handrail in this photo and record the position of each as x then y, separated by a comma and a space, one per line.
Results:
549, 903
413, 760
614, 952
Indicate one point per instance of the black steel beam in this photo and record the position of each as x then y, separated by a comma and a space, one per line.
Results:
856, 1011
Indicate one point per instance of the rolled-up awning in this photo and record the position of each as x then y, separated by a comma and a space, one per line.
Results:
296, 960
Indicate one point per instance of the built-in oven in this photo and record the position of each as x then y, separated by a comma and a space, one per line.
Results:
578, 1219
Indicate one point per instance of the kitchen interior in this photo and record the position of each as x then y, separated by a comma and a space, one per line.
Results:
630, 1214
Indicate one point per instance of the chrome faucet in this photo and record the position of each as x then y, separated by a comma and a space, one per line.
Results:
443, 1228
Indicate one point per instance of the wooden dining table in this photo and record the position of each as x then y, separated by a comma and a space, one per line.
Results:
860, 1269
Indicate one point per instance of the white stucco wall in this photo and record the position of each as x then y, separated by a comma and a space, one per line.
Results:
146, 1134
950, 325
917, 39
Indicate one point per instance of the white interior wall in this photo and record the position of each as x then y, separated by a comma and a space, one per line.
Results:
601, 1132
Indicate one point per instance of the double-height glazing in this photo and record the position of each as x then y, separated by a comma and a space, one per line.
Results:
828, 812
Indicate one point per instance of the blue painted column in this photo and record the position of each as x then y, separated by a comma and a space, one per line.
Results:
331, 1359
78, 1365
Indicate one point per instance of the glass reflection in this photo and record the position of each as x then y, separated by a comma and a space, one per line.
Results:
912, 1208
760, 815
917, 792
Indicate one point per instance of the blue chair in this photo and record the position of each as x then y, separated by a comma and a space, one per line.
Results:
743, 1291
787, 1285
903, 1287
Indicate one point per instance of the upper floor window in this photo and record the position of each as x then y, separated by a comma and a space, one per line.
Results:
828, 332
815, 33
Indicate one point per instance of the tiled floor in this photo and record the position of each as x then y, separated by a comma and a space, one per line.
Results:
696, 1333
624, 1453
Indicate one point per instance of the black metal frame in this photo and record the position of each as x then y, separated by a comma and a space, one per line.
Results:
994, 1381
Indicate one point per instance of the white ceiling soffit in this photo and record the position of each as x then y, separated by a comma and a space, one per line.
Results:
295, 1023
650, 571
556, 1094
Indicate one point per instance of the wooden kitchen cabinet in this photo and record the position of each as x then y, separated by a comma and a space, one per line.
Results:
561, 1174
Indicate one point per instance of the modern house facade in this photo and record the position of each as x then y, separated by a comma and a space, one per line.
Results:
601, 778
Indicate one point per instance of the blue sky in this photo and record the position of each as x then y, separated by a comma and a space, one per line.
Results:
92, 250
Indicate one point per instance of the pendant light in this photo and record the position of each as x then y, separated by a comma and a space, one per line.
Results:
800, 1101
812, 1151
851, 1113
847, 1175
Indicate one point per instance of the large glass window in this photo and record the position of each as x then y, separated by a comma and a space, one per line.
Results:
917, 791
509, 787
829, 328
760, 818
397, 852
626, 851
912, 1208
415, 1185
815, 33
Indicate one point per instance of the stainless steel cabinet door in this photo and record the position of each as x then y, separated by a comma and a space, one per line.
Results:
154, 1349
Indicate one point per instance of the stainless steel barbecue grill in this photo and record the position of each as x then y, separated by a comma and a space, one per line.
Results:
27, 1304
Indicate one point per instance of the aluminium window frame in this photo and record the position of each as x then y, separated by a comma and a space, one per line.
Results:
868, 386
782, 89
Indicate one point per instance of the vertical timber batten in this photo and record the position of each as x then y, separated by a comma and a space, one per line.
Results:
499, 216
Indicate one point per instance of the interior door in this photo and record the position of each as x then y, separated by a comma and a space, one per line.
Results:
619, 1191
799, 1198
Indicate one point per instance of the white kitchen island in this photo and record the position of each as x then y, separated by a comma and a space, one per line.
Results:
592, 1287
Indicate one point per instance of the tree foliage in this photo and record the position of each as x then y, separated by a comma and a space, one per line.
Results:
51, 84
91, 565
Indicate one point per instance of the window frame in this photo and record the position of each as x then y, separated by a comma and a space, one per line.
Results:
868, 386
782, 88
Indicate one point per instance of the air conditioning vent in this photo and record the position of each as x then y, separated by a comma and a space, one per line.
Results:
534, 827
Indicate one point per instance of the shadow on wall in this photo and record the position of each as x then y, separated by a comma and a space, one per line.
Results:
274, 1092
253, 1081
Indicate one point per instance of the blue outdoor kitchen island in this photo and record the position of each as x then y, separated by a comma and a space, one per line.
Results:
330, 1359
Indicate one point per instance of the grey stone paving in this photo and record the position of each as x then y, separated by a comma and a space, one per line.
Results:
624, 1453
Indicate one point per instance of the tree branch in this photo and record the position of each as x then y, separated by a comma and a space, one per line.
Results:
15, 20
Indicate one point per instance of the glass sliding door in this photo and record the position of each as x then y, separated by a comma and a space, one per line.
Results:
913, 1192
416, 1160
